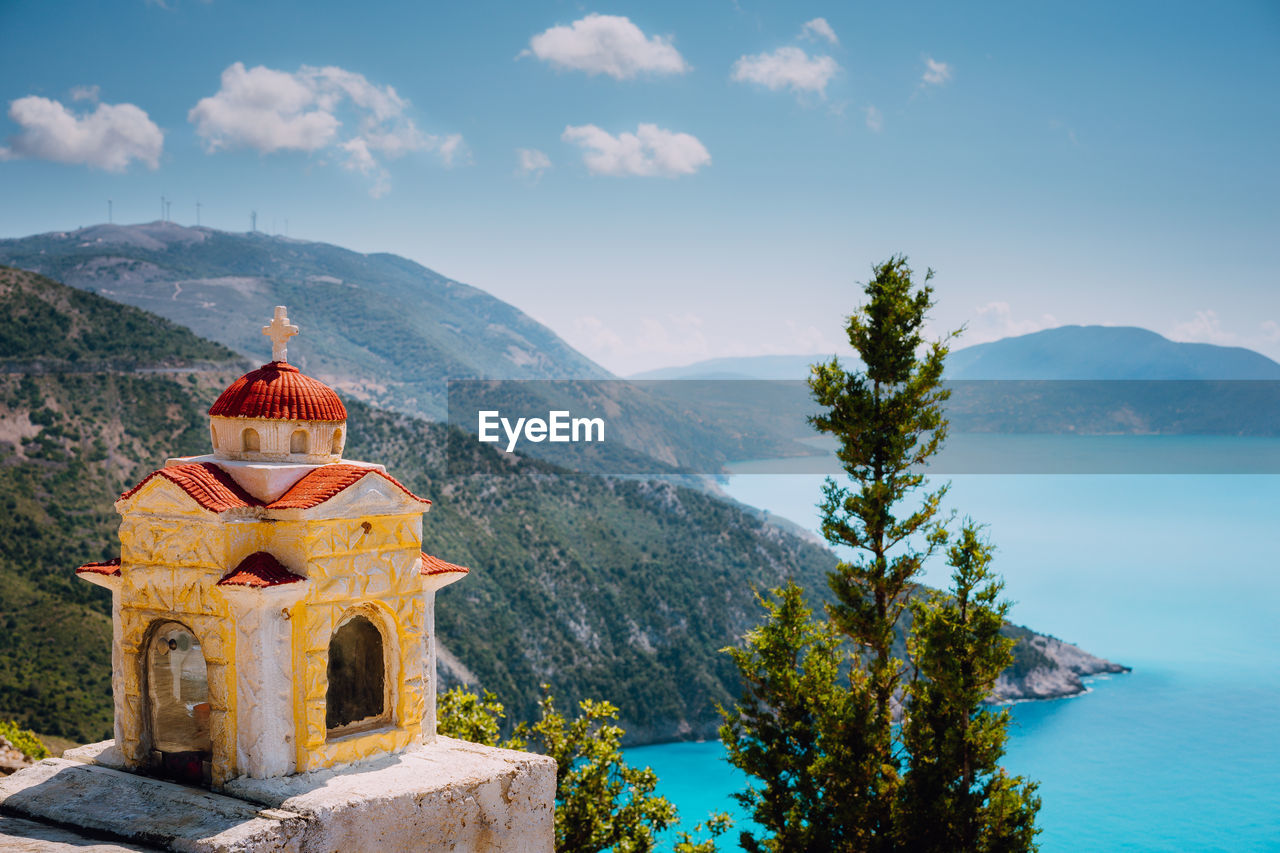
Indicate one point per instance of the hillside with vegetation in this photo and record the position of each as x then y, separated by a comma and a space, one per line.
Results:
84, 412
378, 326
624, 589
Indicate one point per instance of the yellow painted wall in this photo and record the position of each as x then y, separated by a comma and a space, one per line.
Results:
171, 560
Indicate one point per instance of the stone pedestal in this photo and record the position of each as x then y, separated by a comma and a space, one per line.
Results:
447, 795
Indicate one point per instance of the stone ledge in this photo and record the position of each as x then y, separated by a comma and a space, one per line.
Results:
27, 836
144, 810
447, 795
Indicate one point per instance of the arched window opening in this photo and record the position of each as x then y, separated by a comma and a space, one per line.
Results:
357, 696
336, 447
299, 441
213, 437
178, 702
249, 439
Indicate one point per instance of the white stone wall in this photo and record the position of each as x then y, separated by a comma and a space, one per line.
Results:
266, 743
117, 664
429, 665
274, 437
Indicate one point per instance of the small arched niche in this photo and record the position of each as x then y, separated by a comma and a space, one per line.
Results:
249, 440
177, 686
358, 696
300, 441
336, 446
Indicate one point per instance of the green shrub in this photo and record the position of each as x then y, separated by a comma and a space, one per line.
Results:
24, 741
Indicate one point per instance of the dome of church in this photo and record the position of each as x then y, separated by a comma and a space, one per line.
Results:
279, 391
276, 414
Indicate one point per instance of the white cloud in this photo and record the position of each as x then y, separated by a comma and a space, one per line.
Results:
264, 109
651, 150
644, 340
875, 120
935, 73
818, 28
995, 320
108, 138
1056, 124
452, 150
1205, 328
593, 335
606, 44
787, 68
532, 162
649, 340
270, 111
84, 93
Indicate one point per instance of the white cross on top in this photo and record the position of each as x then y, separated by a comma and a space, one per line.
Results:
280, 331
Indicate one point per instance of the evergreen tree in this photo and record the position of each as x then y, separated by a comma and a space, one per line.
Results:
816, 722
888, 420
800, 729
954, 795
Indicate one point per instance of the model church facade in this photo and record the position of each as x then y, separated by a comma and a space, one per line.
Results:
272, 607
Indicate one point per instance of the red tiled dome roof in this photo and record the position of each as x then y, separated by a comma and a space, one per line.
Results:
277, 391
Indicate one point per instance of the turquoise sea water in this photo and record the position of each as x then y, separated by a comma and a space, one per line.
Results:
1174, 575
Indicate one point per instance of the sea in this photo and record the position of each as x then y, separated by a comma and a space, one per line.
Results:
1174, 574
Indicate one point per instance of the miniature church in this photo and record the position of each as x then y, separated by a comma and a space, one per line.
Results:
272, 608
273, 660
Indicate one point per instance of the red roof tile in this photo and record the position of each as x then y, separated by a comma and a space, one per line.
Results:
259, 569
212, 488
206, 483
279, 392
110, 568
435, 566
327, 481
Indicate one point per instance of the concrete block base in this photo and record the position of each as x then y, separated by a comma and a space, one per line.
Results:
447, 795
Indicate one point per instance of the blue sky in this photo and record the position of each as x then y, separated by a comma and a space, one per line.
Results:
1055, 163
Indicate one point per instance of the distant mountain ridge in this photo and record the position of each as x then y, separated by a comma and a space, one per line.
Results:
1065, 352
379, 327
1106, 352
744, 367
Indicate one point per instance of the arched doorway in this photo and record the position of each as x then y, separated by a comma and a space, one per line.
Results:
178, 703
357, 698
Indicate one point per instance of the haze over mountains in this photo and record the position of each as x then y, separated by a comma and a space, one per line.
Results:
1065, 352
390, 330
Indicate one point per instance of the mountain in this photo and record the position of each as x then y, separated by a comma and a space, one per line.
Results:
746, 367
1066, 352
378, 327
624, 589
1106, 352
